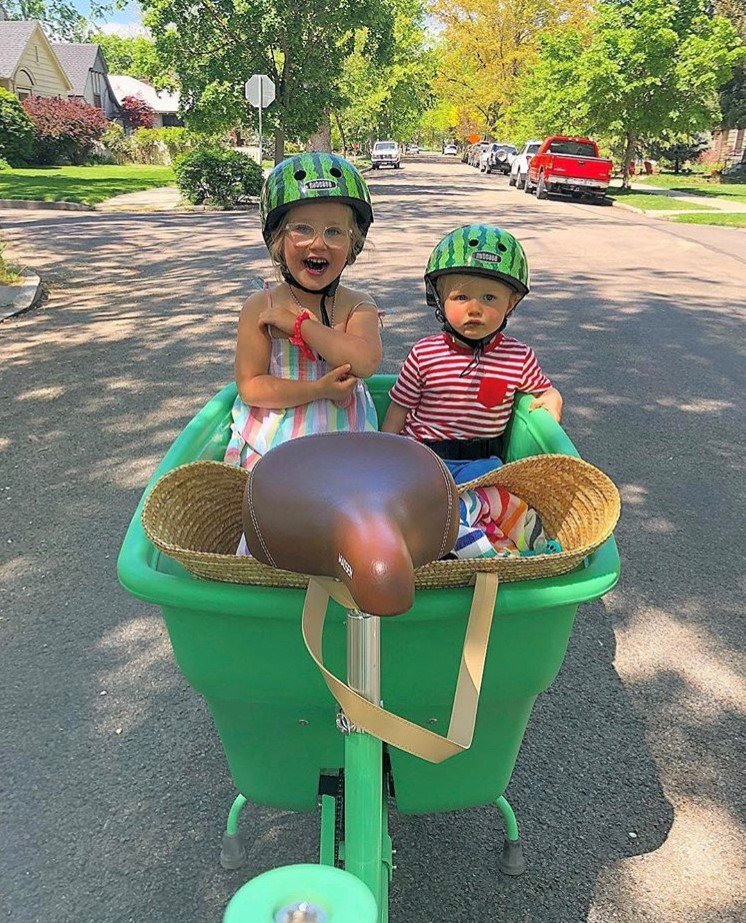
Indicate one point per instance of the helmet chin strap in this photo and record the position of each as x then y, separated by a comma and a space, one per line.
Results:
478, 345
327, 291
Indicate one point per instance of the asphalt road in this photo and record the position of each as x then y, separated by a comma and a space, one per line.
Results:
629, 787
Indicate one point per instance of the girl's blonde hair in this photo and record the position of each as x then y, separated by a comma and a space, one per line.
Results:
277, 242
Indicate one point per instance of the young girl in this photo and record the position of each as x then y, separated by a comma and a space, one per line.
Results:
304, 345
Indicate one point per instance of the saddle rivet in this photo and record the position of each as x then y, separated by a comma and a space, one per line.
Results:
301, 912
432, 721
302, 722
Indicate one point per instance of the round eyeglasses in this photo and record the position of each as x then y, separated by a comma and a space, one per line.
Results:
303, 235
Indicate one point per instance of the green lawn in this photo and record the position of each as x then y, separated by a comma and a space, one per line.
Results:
86, 185
695, 184
725, 219
648, 201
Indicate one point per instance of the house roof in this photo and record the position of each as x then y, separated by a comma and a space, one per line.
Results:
77, 60
159, 100
14, 38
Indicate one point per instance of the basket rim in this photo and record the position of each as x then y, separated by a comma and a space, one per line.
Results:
549, 563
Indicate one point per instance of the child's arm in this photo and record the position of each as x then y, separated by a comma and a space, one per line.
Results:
260, 389
551, 401
358, 345
534, 381
395, 418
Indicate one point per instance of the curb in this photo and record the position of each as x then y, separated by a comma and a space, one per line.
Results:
53, 206
17, 299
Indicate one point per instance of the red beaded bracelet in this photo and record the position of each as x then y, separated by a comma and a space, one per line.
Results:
297, 338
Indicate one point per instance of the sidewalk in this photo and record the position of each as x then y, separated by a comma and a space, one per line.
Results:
159, 199
712, 202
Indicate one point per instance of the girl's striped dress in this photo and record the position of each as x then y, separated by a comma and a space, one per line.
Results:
255, 430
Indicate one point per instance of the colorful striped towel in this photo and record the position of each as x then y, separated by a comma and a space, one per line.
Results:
495, 523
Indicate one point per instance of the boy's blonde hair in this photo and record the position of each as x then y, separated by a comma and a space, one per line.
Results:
277, 242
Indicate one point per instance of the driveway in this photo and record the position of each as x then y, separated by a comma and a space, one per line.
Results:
629, 787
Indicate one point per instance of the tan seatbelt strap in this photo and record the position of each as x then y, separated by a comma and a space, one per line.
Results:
384, 724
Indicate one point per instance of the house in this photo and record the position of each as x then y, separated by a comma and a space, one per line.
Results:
729, 146
164, 104
86, 68
28, 64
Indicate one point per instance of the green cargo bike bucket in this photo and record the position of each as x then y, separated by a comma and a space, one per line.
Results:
241, 648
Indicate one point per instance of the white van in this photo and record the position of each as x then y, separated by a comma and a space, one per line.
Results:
385, 154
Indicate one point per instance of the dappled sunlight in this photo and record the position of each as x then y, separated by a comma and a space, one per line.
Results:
693, 876
137, 651
703, 405
655, 643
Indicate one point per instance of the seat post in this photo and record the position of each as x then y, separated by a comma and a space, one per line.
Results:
364, 654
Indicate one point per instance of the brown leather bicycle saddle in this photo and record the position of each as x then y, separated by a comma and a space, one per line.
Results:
366, 508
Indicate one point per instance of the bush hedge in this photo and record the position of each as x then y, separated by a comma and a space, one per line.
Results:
16, 130
217, 176
65, 130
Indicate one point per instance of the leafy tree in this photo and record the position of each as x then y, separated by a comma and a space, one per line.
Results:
384, 92
60, 18
137, 113
135, 57
677, 149
214, 46
733, 94
485, 47
16, 129
638, 69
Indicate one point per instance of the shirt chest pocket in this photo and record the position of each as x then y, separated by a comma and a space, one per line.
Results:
492, 391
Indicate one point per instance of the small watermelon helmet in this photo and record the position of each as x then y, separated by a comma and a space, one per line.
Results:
312, 177
480, 250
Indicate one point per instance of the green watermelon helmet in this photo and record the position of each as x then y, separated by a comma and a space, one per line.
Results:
480, 250
312, 177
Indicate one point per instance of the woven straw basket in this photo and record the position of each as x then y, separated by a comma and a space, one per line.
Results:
193, 514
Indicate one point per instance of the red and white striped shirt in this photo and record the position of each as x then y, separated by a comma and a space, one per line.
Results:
442, 404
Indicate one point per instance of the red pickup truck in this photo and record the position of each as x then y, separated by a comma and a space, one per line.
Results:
568, 165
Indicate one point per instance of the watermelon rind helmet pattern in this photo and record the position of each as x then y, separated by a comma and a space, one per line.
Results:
313, 177
481, 250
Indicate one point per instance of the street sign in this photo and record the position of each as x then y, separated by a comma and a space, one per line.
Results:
260, 91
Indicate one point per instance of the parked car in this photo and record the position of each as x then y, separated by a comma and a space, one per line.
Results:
450, 150
475, 152
570, 166
519, 167
497, 158
385, 154
413, 148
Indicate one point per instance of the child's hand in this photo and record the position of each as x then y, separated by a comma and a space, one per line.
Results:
338, 384
280, 318
551, 401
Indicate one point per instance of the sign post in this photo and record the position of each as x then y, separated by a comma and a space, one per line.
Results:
260, 93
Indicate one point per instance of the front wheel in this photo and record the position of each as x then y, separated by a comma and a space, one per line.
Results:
527, 185
520, 181
512, 180
541, 187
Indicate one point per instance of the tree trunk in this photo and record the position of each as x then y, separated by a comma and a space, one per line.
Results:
676, 165
321, 139
279, 145
629, 153
341, 131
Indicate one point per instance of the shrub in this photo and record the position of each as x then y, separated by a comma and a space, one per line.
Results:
137, 113
217, 176
16, 129
118, 144
65, 130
